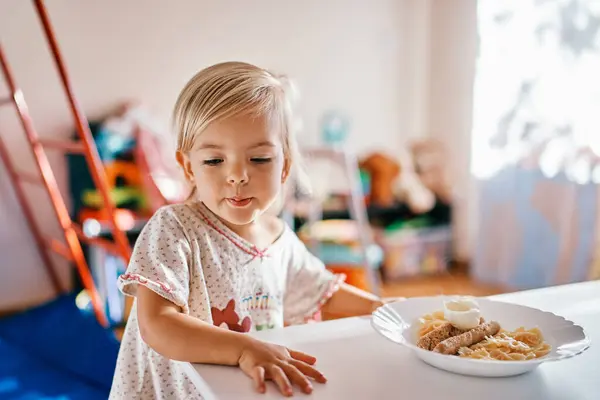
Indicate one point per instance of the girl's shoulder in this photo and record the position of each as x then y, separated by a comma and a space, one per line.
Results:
182, 217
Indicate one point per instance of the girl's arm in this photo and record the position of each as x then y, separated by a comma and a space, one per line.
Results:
175, 335
350, 301
181, 337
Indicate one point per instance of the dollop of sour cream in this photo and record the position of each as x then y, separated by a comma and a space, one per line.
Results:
462, 312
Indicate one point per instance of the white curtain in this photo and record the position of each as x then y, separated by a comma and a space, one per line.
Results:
536, 141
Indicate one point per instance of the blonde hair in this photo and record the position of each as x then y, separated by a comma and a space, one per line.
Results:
229, 89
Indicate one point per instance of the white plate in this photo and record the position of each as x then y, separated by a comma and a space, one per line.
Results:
399, 323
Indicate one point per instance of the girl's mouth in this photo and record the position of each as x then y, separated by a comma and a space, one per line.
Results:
238, 201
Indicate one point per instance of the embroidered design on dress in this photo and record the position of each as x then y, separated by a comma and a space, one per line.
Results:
260, 300
229, 317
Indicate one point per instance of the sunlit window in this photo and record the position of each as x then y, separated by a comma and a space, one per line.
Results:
537, 88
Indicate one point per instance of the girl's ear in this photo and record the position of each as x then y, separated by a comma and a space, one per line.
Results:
185, 164
285, 173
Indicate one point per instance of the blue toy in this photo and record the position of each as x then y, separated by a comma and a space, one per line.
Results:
335, 127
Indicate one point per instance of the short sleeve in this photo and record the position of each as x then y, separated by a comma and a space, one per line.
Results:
160, 260
309, 285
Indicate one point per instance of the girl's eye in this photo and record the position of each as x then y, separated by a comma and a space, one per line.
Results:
261, 160
213, 162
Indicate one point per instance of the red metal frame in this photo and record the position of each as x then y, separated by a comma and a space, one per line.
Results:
86, 146
81, 123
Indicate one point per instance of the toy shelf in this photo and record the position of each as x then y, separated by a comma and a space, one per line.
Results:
410, 244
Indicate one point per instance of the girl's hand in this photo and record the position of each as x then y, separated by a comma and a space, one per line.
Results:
261, 361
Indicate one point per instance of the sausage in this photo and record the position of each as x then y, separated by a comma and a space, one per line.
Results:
469, 338
433, 338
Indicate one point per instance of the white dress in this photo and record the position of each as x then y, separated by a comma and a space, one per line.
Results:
188, 256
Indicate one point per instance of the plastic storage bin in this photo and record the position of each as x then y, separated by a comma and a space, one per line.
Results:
413, 252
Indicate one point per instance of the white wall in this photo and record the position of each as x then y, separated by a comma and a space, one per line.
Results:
440, 69
453, 49
364, 58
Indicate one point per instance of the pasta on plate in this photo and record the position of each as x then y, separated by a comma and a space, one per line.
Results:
460, 330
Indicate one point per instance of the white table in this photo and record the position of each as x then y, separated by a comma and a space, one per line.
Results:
361, 364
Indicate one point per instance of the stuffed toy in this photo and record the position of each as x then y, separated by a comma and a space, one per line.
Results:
431, 165
409, 189
414, 194
383, 172
395, 181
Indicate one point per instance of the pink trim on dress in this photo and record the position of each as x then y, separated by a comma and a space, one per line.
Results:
253, 251
334, 286
144, 281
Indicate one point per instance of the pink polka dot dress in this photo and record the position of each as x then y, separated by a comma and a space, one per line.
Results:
188, 256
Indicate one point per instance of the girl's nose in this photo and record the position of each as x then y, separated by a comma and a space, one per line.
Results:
238, 176
237, 180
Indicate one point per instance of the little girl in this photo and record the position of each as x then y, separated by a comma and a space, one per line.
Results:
205, 272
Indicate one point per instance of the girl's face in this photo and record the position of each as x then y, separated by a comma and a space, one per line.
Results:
237, 166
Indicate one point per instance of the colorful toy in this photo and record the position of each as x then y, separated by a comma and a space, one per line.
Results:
392, 182
335, 128
337, 244
383, 171
125, 181
431, 165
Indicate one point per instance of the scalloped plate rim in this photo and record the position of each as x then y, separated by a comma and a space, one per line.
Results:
585, 342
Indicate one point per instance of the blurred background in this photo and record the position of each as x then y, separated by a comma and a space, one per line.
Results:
452, 145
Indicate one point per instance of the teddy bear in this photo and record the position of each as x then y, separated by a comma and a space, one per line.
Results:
393, 180
431, 165
382, 171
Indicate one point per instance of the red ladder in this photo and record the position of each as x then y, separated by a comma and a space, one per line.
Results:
73, 233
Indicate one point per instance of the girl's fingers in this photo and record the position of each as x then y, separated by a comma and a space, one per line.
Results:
298, 355
259, 378
281, 380
309, 370
297, 377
